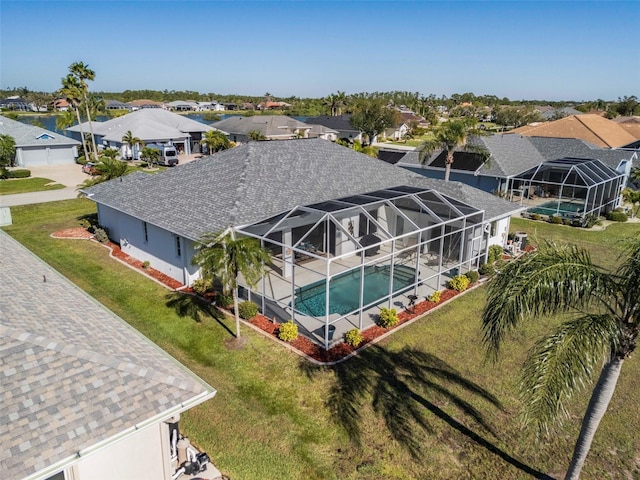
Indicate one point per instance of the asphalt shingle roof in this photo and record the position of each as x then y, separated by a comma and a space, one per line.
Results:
73, 374
30, 135
258, 180
268, 125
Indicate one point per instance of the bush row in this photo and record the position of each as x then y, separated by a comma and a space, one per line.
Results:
22, 173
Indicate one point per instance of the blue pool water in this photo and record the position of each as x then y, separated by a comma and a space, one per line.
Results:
344, 290
567, 209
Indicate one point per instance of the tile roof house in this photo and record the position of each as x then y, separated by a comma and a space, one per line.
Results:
253, 187
83, 395
591, 128
273, 127
151, 125
37, 146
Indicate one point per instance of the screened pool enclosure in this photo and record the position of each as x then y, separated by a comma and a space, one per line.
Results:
335, 264
570, 188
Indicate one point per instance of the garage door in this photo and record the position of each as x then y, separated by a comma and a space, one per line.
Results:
61, 155
33, 156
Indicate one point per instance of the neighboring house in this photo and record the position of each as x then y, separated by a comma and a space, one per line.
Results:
37, 146
183, 106
270, 105
144, 103
341, 123
511, 156
395, 133
116, 105
17, 104
632, 126
247, 106
320, 131
588, 127
547, 112
321, 209
61, 105
151, 125
83, 395
273, 127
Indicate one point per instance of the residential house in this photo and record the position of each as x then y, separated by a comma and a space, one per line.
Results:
632, 126
83, 395
341, 123
588, 127
272, 127
116, 105
144, 103
184, 106
61, 105
37, 146
271, 105
547, 112
17, 104
151, 125
324, 211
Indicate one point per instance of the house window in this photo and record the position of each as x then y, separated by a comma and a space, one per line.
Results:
146, 232
178, 247
494, 226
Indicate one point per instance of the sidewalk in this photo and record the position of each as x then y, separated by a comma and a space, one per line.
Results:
68, 175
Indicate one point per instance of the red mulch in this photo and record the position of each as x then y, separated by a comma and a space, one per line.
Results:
340, 351
117, 252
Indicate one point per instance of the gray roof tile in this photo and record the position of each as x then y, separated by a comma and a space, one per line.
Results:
30, 135
258, 180
67, 385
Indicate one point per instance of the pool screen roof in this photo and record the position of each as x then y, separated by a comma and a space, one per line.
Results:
440, 208
577, 172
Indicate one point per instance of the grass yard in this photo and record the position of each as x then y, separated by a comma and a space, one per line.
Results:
26, 185
422, 404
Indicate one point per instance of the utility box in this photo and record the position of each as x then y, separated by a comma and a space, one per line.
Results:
5, 216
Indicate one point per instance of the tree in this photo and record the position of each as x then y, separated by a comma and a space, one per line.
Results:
83, 73
635, 174
7, 150
150, 155
604, 329
256, 136
516, 116
107, 169
632, 197
451, 136
223, 256
64, 120
371, 115
131, 141
628, 106
71, 91
215, 141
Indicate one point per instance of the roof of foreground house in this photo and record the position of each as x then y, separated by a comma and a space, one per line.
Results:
513, 154
147, 124
591, 128
74, 375
32, 136
258, 180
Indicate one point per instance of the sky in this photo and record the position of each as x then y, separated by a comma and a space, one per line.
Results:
543, 50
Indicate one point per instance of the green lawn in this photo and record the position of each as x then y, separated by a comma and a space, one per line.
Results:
26, 185
422, 404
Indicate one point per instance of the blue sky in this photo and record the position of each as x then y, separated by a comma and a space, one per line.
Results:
520, 50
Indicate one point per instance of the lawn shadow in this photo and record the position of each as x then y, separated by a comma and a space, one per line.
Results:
196, 308
401, 386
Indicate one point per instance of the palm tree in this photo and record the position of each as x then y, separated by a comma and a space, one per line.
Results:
224, 257
64, 120
131, 141
632, 197
7, 150
150, 155
635, 174
83, 73
605, 327
256, 136
71, 91
107, 169
215, 141
450, 137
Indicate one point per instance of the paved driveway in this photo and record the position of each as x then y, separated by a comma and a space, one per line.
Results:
68, 175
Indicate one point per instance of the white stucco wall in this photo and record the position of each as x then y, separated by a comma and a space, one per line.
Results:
501, 231
142, 455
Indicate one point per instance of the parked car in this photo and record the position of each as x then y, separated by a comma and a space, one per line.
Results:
90, 168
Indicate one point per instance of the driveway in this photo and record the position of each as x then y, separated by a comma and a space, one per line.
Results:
68, 175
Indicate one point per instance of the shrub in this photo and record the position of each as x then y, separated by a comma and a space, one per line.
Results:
353, 337
247, 310
616, 216
388, 317
19, 173
288, 331
459, 283
535, 216
487, 269
101, 234
473, 276
495, 253
201, 286
555, 219
590, 220
4, 173
224, 299
146, 264
435, 296
566, 221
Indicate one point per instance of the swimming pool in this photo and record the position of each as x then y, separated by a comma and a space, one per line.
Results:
565, 209
344, 290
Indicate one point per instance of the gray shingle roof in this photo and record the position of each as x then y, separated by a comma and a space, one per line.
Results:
257, 180
30, 135
73, 374
512, 154
268, 125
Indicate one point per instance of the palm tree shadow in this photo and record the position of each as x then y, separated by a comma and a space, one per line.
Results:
401, 385
195, 307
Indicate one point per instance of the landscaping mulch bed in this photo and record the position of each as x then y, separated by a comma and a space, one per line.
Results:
342, 350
